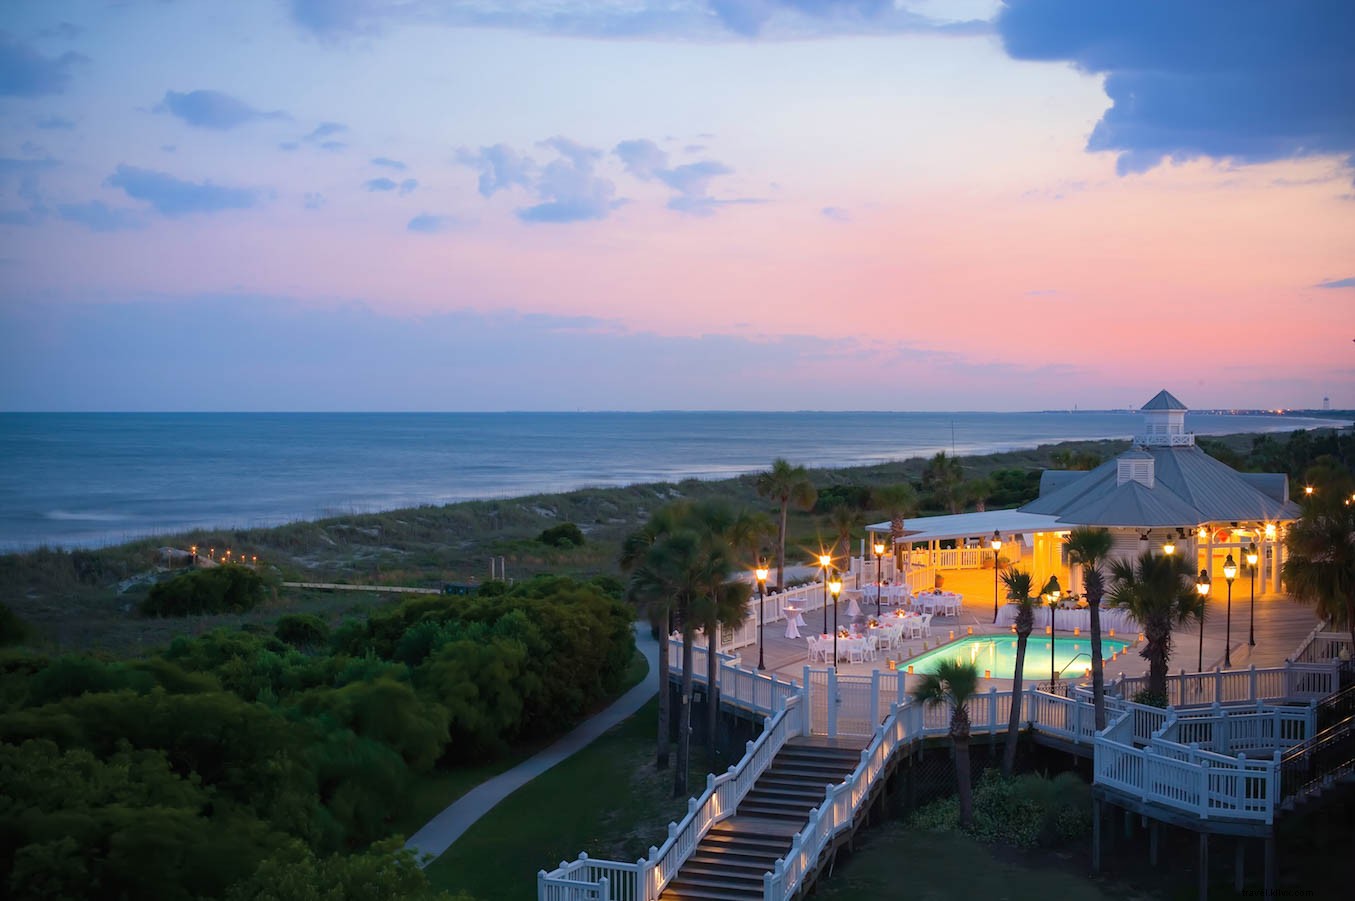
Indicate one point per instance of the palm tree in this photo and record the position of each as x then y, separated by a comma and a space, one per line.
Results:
1090, 547
748, 533
676, 567
1157, 591
942, 478
650, 588
1320, 569
1019, 586
786, 484
897, 501
842, 520
978, 491
952, 685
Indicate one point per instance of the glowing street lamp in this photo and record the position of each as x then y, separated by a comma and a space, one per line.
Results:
836, 588
1169, 547
1202, 588
1252, 557
1052, 592
826, 563
1229, 574
996, 544
761, 574
879, 548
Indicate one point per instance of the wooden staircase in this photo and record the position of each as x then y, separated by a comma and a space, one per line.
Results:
730, 861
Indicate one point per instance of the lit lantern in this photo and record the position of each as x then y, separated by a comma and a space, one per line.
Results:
910, 670
952, 634
1077, 630
971, 630
1112, 633
1049, 630
987, 674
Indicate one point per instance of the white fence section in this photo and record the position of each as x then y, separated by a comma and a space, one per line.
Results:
1177, 758
1324, 646
1293, 681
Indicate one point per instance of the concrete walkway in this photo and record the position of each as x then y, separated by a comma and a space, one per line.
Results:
439, 833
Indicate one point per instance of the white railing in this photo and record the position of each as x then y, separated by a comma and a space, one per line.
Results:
963, 557
586, 879
1293, 681
1188, 779
1234, 730
1323, 646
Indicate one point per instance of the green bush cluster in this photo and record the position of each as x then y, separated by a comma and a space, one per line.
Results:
565, 535
1149, 698
217, 589
235, 764
13, 630
1025, 811
301, 630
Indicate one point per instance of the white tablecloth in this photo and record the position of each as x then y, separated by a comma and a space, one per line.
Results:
929, 602
1125, 626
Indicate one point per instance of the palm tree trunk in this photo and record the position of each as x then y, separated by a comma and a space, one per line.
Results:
1098, 665
712, 690
781, 546
684, 743
1014, 720
962, 778
1156, 653
661, 748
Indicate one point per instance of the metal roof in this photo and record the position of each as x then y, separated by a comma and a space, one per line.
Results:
1189, 487
973, 525
1163, 400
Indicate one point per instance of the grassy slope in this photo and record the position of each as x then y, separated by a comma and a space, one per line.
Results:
607, 800
84, 600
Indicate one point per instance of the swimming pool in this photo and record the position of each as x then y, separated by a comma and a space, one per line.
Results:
996, 654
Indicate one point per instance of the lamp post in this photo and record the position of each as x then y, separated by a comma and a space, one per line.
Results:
1202, 588
836, 589
996, 544
1052, 592
1229, 574
761, 573
1252, 557
879, 548
1169, 546
825, 563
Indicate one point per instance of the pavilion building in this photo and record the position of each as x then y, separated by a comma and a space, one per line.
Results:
1163, 493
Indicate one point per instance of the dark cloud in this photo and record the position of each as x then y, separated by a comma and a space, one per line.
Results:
389, 163
336, 20
836, 213
1246, 80
26, 73
22, 167
567, 187
429, 224
1338, 283
332, 146
33, 215
379, 184
408, 185
212, 109
172, 197
314, 200
99, 216
54, 123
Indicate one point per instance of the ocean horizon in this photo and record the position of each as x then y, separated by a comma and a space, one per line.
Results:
92, 479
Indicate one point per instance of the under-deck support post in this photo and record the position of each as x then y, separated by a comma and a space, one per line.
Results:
1204, 867
1096, 835
1128, 824
1239, 863
1152, 842
1269, 878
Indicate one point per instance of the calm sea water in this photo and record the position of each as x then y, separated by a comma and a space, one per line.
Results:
91, 478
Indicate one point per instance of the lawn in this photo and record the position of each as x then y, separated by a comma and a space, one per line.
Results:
893, 862
607, 800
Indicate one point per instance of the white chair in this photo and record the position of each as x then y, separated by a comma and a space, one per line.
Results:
856, 649
819, 648
925, 626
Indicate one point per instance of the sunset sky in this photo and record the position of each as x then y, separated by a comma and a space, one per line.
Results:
675, 204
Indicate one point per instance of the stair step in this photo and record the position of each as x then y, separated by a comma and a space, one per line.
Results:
786, 790
718, 882
738, 861
750, 839
699, 893
718, 872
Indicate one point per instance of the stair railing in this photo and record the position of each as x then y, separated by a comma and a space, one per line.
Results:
1328, 755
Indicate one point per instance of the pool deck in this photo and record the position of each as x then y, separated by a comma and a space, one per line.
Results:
1281, 624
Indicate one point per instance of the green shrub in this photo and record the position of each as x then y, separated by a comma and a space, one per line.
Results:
12, 629
1025, 811
565, 535
302, 630
1149, 698
220, 589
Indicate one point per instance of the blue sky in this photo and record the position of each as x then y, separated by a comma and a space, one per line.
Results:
702, 204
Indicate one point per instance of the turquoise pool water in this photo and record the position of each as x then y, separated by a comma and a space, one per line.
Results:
997, 654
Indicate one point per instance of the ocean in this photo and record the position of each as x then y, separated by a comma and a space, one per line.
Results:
90, 479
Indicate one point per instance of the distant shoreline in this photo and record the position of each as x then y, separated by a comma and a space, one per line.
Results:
316, 487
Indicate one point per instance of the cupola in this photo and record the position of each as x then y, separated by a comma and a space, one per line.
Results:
1164, 423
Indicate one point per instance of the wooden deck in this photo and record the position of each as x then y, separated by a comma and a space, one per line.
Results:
1281, 625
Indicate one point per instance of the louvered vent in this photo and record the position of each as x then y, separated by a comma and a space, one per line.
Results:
1135, 468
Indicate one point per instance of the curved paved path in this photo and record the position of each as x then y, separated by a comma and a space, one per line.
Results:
438, 834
